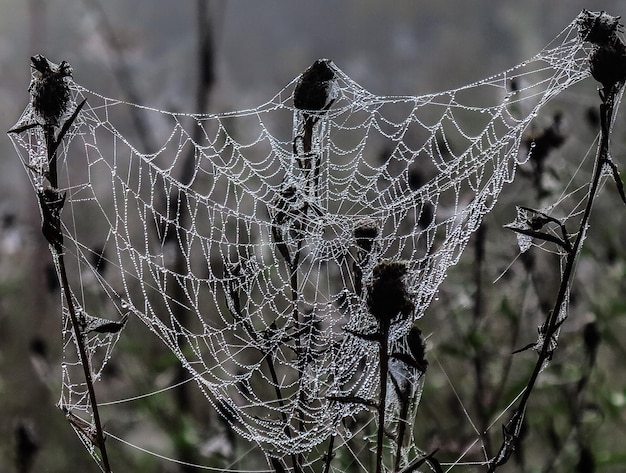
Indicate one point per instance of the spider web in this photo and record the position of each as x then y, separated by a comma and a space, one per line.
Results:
238, 250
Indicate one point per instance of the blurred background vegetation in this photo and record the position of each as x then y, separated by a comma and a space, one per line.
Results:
147, 51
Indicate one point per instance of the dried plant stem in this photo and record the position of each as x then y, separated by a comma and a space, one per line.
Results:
552, 324
329, 454
51, 146
383, 346
52, 156
478, 357
84, 361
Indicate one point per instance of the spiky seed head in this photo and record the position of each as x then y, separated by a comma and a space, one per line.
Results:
49, 90
388, 298
598, 28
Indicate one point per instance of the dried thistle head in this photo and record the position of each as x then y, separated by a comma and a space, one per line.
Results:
388, 297
316, 88
607, 60
49, 90
608, 64
598, 28
365, 233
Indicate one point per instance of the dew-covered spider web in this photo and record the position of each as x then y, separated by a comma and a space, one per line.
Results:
246, 241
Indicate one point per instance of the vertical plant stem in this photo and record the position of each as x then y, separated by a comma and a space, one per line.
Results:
51, 147
48, 131
552, 321
382, 400
84, 361
329, 454
479, 354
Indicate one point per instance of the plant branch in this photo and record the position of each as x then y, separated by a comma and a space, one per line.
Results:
51, 211
552, 324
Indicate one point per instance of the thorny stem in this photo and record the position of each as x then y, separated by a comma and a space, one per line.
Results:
552, 323
51, 146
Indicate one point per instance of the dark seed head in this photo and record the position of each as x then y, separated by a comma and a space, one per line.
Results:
598, 28
314, 90
49, 90
388, 298
608, 64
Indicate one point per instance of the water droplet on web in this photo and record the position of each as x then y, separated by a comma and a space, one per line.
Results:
124, 305
607, 170
524, 242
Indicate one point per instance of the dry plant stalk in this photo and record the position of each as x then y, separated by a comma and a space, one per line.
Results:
608, 66
50, 102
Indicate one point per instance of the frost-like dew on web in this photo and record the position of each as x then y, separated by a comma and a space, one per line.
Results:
264, 233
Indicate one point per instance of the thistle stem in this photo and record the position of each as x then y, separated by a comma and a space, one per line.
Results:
84, 361
51, 146
552, 323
